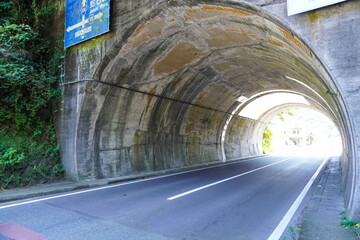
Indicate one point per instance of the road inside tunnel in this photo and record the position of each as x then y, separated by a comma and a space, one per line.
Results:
241, 200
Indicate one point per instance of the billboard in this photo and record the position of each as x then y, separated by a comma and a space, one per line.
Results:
299, 6
85, 19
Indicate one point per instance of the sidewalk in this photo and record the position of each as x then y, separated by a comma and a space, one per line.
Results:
46, 189
321, 218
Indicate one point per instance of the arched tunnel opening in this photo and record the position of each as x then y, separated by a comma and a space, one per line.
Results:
302, 131
268, 106
174, 90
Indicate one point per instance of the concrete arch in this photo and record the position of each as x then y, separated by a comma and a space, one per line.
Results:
166, 86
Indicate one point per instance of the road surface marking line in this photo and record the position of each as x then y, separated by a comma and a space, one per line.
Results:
290, 213
120, 184
224, 180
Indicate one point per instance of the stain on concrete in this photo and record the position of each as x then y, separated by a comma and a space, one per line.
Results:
294, 40
147, 31
276, 43
182, 54
150, 97
206, 11
314, 16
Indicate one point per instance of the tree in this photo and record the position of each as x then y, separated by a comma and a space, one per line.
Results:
266, 142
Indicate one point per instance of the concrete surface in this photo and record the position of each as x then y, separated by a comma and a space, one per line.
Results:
321, 218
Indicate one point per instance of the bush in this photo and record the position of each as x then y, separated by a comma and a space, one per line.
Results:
26, 160
266, 142
29, 93
10, 161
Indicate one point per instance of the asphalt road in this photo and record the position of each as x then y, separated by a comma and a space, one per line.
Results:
243, 200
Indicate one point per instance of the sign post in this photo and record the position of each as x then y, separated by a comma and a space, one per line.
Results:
299, 6
85, 19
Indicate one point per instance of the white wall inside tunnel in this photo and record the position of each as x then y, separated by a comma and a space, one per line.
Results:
262, 104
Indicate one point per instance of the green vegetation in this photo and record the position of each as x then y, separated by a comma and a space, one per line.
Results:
331, 93
266, 143
268, 135
310, 139
354, 226
288, 112
293, 233
29, 72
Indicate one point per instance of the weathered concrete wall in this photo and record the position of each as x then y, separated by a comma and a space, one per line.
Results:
332, 32
240, 139
160, 90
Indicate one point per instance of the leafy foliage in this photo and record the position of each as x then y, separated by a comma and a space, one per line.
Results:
28, 94
267, 138
281, 114
349, 223
268, 135
331, 93
354, 226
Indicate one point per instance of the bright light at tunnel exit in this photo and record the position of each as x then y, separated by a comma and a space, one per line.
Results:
306, 132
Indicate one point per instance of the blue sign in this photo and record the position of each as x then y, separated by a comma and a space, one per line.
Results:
85, 19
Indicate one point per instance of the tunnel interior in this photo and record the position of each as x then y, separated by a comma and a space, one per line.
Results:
174, 92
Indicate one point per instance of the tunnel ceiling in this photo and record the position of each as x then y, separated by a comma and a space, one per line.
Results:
210, 55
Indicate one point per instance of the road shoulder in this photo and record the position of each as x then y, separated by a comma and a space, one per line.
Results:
321, 218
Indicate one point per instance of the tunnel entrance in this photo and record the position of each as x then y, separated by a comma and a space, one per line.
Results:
186, 75
302, 131
173, 90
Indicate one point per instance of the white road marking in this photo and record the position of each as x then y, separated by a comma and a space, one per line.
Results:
290, 213
120, 184
224, 180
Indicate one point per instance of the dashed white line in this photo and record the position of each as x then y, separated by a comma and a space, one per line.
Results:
224, 180
120, 184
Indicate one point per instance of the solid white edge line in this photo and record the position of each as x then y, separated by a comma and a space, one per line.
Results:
224, 180
290, 213
120, 184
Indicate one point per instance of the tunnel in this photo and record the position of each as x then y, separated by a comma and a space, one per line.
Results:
173, 85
